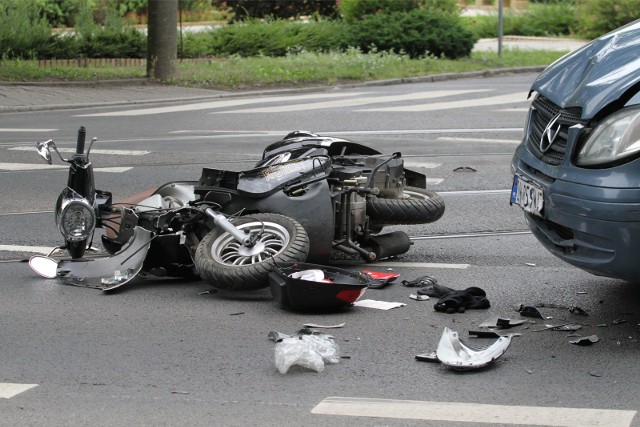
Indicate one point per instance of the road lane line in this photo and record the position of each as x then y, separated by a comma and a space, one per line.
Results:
34, 249
17, 167
419, 265
8, 390
218, 104
475, 102
26, 130
353, 101
493, 141
474, 413
93, 151
423, 165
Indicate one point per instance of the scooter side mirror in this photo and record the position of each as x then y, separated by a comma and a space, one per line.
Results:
44, 266
44, 151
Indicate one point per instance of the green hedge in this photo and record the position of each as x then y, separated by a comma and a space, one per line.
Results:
417, 33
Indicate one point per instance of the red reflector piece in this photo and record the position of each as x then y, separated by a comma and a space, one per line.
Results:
350, 296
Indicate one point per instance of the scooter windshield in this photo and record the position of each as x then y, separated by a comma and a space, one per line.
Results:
110, 272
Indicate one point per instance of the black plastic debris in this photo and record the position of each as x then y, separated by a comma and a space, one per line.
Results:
484, 334
577, 310
464, 169
506, 323
585, 341
460, 301
529, 311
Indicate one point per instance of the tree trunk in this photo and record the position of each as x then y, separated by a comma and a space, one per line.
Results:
162, 46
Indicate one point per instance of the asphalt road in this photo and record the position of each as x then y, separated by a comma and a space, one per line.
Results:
165, 352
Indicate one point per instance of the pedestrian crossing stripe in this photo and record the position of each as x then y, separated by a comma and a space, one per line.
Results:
474, 413
93, 151
436, 106
218, 104
15, 167
355, 101
9, 390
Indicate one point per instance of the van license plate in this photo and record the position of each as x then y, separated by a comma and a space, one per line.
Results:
527, 195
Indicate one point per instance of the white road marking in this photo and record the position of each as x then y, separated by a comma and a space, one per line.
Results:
472, 192
475, 102
29, 166
14, 167
422, 131
354, 101
26, 130
423, 165
492, 141
35, 249
217, 104
8, 390
93, 151
473, 413
419, 265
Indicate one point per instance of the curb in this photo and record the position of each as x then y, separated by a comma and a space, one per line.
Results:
125, 82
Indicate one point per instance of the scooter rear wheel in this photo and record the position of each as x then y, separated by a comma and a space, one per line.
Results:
418, 206
223, 262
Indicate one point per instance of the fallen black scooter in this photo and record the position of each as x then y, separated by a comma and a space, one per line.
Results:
308, 197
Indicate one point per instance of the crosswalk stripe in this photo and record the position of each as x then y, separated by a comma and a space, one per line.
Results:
217, 104
30, 249
473, 412
419, 265
475, 102
492, 141
8, 390
26, 130
15, 167
354, 101
93, 151
421, 165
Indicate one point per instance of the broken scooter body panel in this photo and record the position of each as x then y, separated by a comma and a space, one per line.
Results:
104, 272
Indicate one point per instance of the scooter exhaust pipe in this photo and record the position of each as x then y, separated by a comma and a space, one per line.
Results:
390, 244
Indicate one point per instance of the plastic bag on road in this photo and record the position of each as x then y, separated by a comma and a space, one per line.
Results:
307, 350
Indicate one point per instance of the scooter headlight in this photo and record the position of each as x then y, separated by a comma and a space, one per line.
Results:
76, 219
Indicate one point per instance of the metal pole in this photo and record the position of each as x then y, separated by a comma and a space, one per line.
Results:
500, 21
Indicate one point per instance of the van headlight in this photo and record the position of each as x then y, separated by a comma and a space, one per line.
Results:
76, 219
614, 139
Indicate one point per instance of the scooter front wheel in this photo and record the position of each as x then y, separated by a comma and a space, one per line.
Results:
226, 264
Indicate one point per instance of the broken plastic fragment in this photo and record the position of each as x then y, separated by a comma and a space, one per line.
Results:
458, 355
588, 340
567, 327
577, 310
485, 334
315, 325
419, 297
428, 357
529, 311
505, 323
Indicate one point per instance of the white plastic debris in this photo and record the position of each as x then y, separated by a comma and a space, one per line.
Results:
309, 351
